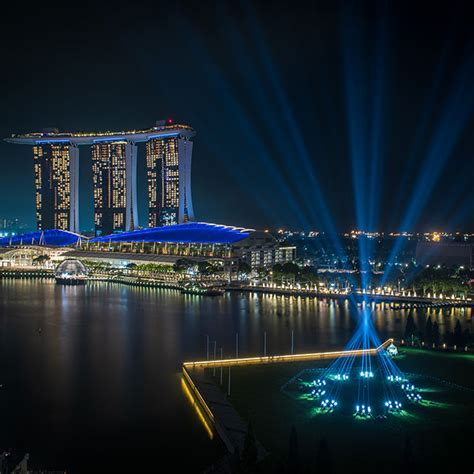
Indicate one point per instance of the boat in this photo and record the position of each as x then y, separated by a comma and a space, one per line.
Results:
196, 288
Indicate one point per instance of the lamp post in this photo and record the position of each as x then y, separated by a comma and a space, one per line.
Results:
222, 357
215, 350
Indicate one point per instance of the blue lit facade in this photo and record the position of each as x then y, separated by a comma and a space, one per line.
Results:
191, 232
54, 238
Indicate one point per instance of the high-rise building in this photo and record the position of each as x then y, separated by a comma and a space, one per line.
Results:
114, 165
169, 180
56, 168
114, 155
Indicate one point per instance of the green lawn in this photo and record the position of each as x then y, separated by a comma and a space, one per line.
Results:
440, 430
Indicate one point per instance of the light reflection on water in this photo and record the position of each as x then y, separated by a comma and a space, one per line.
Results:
90, 370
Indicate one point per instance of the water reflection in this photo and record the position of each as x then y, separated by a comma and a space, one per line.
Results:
95, 369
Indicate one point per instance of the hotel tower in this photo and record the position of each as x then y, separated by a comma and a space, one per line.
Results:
169, 180
114, 166
56, 167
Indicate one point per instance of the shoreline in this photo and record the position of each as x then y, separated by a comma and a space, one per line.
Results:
359, 297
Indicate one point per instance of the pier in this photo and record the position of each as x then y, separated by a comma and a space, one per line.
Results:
215, 410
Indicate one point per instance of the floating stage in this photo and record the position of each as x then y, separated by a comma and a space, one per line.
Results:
432, 404
213, 407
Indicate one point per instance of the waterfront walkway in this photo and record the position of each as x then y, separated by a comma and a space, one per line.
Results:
357, 295
397, 301
217, 409
226, 421
278, 359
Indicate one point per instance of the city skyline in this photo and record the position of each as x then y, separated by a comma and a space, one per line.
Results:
117, 151
289, 137
238, 236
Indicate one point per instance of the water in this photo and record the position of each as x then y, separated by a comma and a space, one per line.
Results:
91, 374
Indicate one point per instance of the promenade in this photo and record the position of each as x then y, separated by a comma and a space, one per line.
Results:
216, 410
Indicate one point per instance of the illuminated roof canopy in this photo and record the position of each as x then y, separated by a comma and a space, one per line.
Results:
56, 238
191, 232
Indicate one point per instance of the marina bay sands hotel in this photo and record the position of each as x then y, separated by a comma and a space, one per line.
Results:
114, 165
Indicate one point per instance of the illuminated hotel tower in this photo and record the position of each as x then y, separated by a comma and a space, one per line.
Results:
114, 167
169, 180
56, 167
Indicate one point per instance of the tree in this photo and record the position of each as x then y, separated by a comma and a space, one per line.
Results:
234, 462
435, 333
408, 466
244, 267
323, 458
467, 337
449, 338
249, 454
290, 268
204, 267
183, 264
262, 273
309, 274
458, 334
293, 462
410, 328
429, 331
277, 268
41, 259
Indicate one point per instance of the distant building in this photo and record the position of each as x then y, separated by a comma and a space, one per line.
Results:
114, 167
444, 253
261, 250
11, 226
169, 180
56, 167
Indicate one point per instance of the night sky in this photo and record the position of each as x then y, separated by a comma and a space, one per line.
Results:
307, 115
